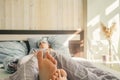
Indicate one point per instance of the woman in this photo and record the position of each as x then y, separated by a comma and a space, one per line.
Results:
55, 66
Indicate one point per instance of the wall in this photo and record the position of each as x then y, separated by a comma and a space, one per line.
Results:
107, 12
41, 14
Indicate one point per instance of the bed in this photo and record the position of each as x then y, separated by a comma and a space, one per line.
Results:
26, 36
29, 37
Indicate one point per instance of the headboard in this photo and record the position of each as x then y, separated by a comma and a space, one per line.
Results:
39, 31
24, 34
28, 33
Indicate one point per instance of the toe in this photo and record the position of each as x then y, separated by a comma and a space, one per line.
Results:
48, 56
63, 73
54, 77
58, 73
40, 57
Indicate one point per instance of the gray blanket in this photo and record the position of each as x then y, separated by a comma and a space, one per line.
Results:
76, 70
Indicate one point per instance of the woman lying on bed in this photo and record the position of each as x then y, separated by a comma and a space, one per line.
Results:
55, 66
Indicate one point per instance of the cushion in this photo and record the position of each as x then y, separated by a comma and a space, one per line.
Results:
33, 42
12, 49
56, 42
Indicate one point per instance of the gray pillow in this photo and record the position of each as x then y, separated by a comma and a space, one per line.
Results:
33, 42
56, 42
12, 49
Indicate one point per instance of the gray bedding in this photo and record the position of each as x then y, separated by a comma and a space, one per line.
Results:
12, 49
76, 70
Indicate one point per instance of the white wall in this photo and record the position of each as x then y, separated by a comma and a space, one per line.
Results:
107, 12
41, 14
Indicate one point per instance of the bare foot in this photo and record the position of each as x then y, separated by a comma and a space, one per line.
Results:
59, 75
47, 66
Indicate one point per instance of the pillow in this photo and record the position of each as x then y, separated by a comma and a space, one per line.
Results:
12, 49
33, 42
56, 42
